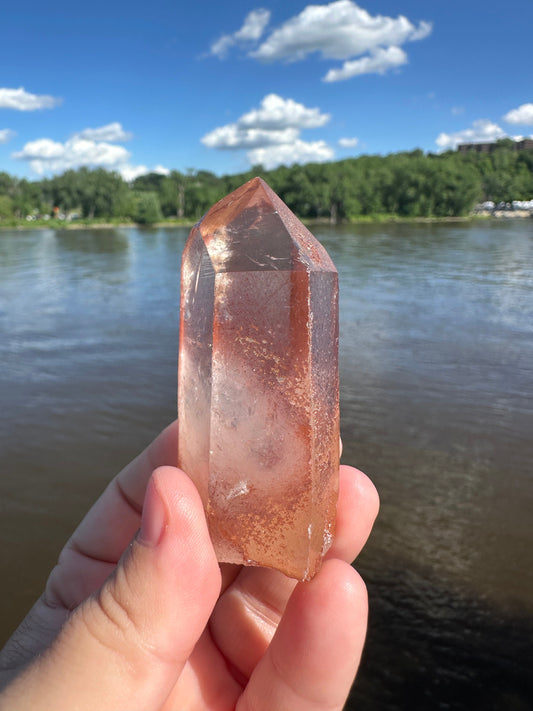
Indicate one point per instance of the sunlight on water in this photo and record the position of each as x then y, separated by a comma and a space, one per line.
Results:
436, 384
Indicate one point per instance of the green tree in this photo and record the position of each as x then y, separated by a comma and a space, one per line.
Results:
149, 182
410, 184
6, 207
171, 193
147, 210
28, 198
7, 184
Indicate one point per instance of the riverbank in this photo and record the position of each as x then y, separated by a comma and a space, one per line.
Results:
84, 224
95, 223
23, 225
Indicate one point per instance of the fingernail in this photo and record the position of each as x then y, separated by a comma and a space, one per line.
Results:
154, 518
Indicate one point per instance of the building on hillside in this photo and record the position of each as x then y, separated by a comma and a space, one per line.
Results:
489, 147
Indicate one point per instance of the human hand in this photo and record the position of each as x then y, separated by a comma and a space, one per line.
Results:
150, 621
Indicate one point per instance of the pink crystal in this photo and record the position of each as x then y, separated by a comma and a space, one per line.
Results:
258, 382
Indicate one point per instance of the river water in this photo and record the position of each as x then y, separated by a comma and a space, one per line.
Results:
436, 393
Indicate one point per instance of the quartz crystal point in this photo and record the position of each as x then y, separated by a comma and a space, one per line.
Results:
258, 382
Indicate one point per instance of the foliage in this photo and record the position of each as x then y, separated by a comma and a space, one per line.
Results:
147, 210
96, 193
409, 184
6, 207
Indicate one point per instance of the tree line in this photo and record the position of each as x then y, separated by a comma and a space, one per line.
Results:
408, 184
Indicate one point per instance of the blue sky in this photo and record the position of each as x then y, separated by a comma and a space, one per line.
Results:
221, 86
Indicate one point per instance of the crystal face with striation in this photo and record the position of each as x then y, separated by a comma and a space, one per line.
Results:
258, 382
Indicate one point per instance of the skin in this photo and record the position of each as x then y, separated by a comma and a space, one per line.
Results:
147, 619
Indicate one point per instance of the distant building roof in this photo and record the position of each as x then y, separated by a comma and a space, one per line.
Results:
524, 144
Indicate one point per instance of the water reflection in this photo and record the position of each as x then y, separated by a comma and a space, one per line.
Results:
413, 654
436, 374
100, 241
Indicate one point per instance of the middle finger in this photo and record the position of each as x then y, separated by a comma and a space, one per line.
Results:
254, 599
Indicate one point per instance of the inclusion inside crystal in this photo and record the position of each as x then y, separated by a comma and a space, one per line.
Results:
258, 382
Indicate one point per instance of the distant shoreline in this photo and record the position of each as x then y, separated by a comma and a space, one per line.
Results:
24, 226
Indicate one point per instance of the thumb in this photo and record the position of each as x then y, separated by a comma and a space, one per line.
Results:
125, 647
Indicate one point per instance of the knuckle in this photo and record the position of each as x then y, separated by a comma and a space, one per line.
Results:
111, 620
117, 621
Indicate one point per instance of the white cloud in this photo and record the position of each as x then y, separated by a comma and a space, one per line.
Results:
271, 133
111, 132
522, 115
41, 149
45, 155
348, 142
221, 46
276, 113
377, 62
233, 136
275, 122
423, 30
21, 100
482, 131
130, 172
92, 147
288, 153
339, 30
254, 25
251, 30
6, 135
342, 30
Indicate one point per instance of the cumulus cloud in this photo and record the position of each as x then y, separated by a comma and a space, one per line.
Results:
111, 132
91, 147
523, 115
378, 61
348, 142
21, 100
271, 133
130, 172
254, 25
288, 153
46, 155
233, 136
339, 30
6, 135
276, 113
251, 30
481, 131
275, 122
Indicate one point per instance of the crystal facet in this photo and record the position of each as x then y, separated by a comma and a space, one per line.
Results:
258, 382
